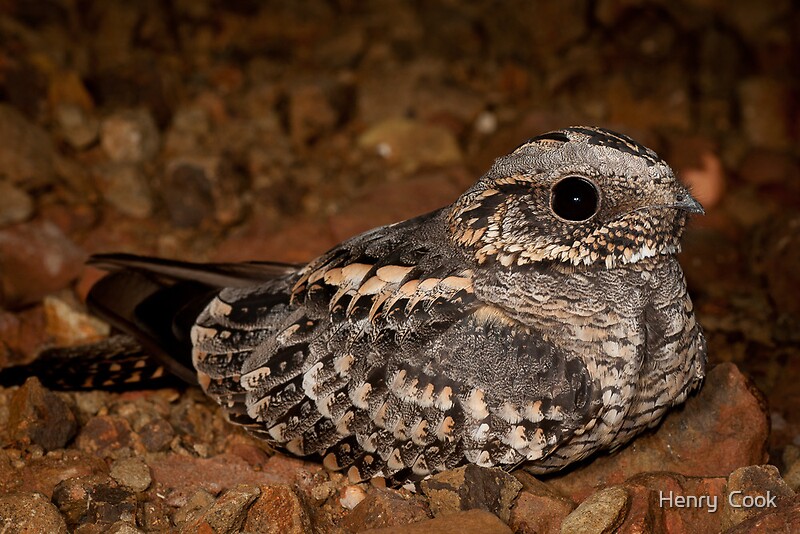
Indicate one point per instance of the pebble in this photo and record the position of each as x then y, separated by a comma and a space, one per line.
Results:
198, 501
36, 259
105, 435
22, 335
649, 506
386, 508
124, 186
157, 434
30, 513
155, 516
413, 196
278, 510
754, 482
15, 204
26, 152
781, 263
122, 527
603, 511
470, 487
351, 496
95, 500
411, 145
132, 473
130, 136
184, 475
39, 416
226, 515
791, 459
768, 167
386, 93
188, 131
784, 519
78, 127
68, 326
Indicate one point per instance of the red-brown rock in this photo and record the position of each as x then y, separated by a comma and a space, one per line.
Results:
35, 259
40, 416
104, 435
277, 510
538, 509
43, 474
385, 508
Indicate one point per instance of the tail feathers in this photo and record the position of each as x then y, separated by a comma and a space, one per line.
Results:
116, 363
159, 316
217, 275
157, 301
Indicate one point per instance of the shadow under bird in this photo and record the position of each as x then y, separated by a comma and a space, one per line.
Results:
540, 318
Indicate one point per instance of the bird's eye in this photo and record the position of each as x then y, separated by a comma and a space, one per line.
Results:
574, 199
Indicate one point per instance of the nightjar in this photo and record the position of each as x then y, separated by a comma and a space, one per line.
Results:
540, 318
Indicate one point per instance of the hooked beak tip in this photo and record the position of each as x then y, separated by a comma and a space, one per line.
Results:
687, 203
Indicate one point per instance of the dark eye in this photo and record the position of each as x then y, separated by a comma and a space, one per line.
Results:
575, 199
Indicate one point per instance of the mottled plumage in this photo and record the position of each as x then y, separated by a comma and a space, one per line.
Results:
540, 318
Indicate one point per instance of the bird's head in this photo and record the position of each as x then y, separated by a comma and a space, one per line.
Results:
582, 197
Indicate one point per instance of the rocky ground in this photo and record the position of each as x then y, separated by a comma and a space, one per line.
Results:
207, 130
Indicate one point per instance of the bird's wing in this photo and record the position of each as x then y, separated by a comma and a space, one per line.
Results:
379, 357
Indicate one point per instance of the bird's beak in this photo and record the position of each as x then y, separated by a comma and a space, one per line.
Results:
686, 202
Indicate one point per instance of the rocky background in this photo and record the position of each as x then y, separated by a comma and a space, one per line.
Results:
224, 131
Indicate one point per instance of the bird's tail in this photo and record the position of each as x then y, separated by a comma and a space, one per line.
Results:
154, 302
116, 363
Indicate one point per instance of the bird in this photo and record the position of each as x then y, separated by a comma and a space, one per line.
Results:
539, 319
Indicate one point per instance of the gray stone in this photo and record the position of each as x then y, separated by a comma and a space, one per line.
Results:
132, 473
602, 512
